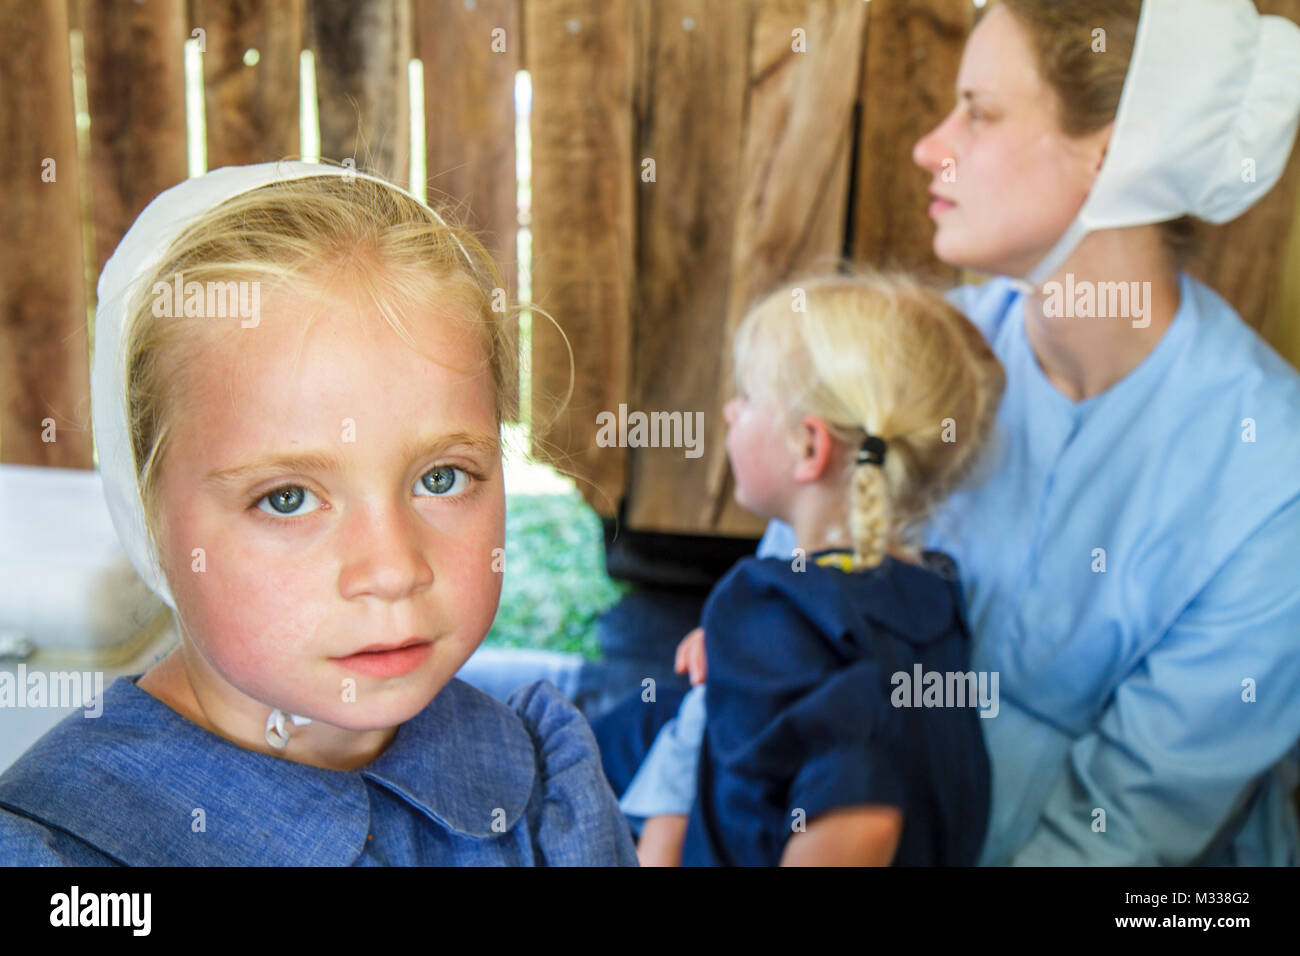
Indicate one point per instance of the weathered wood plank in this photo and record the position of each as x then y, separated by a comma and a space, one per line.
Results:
44, 358
135, 88
584, 175
1285, 335
363, 52
913, 53
469, 107
794, 173
692, 81
252, 111
471, 53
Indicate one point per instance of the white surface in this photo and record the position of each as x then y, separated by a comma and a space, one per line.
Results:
20, 727
65, 581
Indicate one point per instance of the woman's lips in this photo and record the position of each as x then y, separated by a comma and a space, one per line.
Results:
392, 660
940, 205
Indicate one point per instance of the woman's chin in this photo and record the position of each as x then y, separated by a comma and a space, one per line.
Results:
956, 251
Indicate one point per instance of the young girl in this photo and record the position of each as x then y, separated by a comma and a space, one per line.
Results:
829, 739
299, 381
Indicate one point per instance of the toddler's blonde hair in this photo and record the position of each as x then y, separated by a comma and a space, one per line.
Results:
395, 247
878, 353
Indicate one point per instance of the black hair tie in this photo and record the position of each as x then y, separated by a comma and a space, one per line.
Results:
872, 451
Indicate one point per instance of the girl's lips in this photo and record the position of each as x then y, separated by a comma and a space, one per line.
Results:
393, 662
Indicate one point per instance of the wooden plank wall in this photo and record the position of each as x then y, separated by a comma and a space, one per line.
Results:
580, 57
469, 109
753, 145
692, 88
44, 367
137, 138
134, 75
363, 53
804, 62
780, 133
747, 108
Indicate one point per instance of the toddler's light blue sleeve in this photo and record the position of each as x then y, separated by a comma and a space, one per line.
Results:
778, 541
665, 782
1206, 716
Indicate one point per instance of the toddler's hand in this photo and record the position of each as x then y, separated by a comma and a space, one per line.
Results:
690, 656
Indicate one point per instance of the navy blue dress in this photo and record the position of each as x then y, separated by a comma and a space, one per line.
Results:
811, 706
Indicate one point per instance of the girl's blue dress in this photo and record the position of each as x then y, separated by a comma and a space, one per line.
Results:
468, 780
811, 707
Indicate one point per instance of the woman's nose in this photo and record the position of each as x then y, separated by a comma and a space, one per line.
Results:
384, 551
729, 409
931, 150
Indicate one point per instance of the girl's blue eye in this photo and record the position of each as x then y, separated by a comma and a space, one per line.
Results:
286, 501
444, 481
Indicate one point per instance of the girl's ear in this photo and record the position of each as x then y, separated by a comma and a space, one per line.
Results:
816, 445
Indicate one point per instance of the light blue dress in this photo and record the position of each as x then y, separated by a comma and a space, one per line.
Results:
1150, 711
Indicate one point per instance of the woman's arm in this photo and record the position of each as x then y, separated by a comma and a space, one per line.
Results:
862, 835
1186, 736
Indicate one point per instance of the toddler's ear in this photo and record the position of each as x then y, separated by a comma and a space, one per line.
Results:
816, 446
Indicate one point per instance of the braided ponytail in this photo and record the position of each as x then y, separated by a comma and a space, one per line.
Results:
868, 515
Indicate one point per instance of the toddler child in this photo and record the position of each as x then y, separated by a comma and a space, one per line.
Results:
839, 722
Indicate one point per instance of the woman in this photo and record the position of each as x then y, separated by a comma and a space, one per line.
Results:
1130, 557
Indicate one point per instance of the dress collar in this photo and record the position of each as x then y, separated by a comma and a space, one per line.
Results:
915, 602
1150, 368
148, 787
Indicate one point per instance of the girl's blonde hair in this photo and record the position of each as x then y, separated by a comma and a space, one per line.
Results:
396, 248
878, 353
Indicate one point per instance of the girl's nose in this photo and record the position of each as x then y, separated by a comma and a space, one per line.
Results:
729, 409
385, 555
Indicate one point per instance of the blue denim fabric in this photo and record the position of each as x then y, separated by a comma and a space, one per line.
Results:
467, 781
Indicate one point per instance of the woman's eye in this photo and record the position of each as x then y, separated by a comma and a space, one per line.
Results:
443, 481
286, 501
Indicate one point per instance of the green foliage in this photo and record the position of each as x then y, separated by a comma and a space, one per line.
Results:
555, 583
